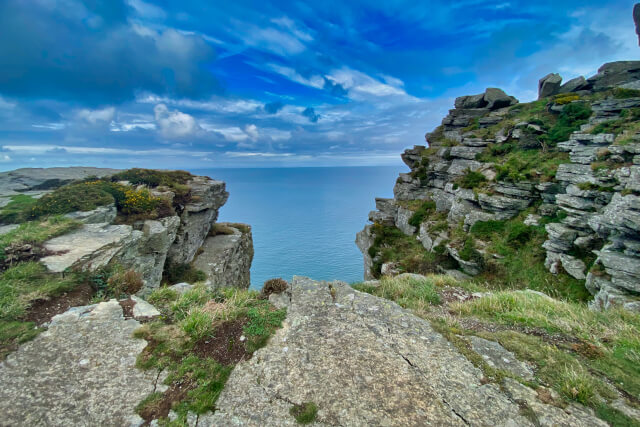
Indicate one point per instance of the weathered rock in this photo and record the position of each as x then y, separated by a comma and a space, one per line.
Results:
615, 74
574, 85
402, 221
226, 259
549, 85
399, 373
81, 371
496, 98
22, 180
471, 101
498, 357
181, 288
412, 157
470, 267
102, 214
142, 310
96, 245
197, 217
636, 19
364, 240
84, 242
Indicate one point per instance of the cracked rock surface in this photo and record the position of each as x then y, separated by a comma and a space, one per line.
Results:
366, 361
80, 372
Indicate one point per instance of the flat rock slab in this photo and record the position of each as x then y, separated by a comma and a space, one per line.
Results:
498, 357
363, 361
83, 242
80, 372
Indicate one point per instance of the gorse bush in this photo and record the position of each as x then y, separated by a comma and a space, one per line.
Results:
153, 178
274, 286
83, 196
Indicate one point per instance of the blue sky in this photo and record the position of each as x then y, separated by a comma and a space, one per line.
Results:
200, 84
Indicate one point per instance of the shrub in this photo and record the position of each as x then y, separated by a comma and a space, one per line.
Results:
220, 229
621, 93
468, 251
274, 286
571, 118
566, 98
124, 283
518, 234
427, 207
176, 273
153, 178
139, 202
17, 210
485, 229
83, 196
471, 179
612, 126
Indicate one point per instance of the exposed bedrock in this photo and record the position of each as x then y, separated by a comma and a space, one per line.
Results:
592, 199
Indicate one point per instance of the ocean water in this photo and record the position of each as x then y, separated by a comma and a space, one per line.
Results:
304, 220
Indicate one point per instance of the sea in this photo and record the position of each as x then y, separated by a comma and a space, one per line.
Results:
304, 220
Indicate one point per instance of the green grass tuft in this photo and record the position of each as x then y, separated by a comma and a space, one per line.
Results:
305, 413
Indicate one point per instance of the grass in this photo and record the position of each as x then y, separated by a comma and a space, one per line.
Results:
521, 263
425, 209
305, 413
37, 232
471, 179
187, 320
19, 287
594, 356
16, 210
177, 273
409, 292
392, 245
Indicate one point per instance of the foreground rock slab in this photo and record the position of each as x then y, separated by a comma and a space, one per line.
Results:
81, 371
366, 361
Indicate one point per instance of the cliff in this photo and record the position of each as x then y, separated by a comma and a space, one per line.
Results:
151, 222
555, 181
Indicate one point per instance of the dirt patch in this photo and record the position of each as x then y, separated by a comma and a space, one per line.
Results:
225, 346
127, 307
160, 408
42, 311
559, 340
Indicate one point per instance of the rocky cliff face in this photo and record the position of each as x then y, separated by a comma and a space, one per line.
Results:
146, 246
226, 258
569, 162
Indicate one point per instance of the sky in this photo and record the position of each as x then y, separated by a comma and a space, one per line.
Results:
206, 84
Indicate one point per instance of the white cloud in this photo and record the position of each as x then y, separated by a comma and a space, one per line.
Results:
4, 158
252, 131
214, 104
126, 127
174, 123
48, 148
50, 126
315, 81
361, 85
96, 116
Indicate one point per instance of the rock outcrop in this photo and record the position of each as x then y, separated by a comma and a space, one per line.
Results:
38, 179
226, 258
636, 19
207, 197
366, 361
595, 192
81, 371
145, 246
549, 85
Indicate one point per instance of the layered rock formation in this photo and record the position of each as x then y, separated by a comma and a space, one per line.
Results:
226, 258
145, 246
594, 193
